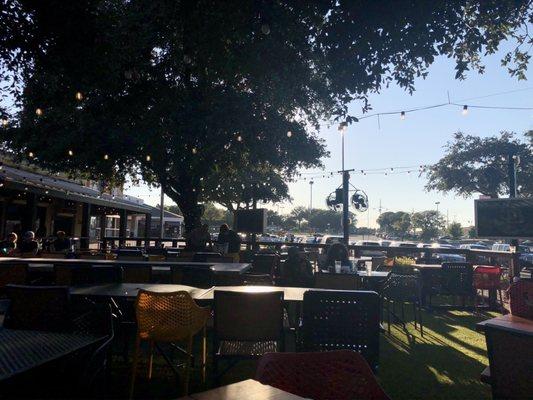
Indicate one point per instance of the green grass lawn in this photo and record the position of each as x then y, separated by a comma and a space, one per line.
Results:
444, 364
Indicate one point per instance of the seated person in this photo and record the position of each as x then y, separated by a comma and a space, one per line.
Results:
62, 242
296, 270
9, 244
198, 239
337, 252
232, 239
28, 245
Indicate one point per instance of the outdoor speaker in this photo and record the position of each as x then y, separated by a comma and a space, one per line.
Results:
250, 221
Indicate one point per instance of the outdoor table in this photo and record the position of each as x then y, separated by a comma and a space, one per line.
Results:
130, 290
509, 322
23, 350
249, 389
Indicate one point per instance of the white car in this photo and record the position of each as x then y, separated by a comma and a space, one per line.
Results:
403, 244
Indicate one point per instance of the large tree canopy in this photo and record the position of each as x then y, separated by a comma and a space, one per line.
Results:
474, 164
176, 90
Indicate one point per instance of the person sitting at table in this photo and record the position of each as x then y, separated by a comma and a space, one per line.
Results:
198, 239
28, 245
9, 244
296, 271
62, 242
337, 252
232, 239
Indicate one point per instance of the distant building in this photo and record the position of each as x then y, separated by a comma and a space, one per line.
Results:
173, 224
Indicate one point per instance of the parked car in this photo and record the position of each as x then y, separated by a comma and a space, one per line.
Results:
370, 253
507, 247
474, 246
402, 244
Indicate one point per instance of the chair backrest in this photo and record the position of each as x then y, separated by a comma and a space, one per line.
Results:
457, 278
265, 263
487, 277
340, 375
137, 273
72, 275
197, 276
249, 317
511, 362
402, 287
324, 280
168, 316
45, 308
13, 274
521, 298
334, 320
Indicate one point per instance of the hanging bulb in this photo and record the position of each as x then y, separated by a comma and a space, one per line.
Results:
148, 158
39, 112
289, 134
465, 110
30, 154
70, 153
402, 115
4, 122
239, 138
392, 169
106, 157
194, 151
265, 28
79, 96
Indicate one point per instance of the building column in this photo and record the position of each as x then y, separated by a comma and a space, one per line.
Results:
123, 227
85, 226
30, 216
147, 229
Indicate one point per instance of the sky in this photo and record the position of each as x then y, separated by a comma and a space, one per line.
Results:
417, 140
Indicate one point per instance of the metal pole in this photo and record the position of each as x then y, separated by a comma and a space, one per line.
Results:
345, 194
311, 199
162, 216
515, 257
342, 134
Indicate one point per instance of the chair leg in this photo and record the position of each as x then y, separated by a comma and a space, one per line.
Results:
414, 313
420, 320
134, 365
204, 353
188, 367
150, 359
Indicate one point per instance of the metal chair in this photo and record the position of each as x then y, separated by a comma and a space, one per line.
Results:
168, 318
40, 308
202, 277
403, 288
511, 362
340, 375
457, 280
265, 263
136, 273
335, 320
246, 325
488, 278
324, 280
521, 298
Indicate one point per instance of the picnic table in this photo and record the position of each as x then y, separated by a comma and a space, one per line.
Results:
130, 290
23, 350
249, 389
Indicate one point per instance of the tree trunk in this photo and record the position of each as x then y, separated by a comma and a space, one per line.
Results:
191, 210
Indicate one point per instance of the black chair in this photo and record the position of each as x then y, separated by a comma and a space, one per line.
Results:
457, 279
510, 362
136, 273
335, 320
102, 274
403, 288
72, 274
197, 276
265, 264
41, 308
246, 325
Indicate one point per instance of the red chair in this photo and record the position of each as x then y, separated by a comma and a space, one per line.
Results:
521, 298
488, 278
340, 375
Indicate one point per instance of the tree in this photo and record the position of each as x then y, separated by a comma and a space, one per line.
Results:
428, 222
397, 223
275, 219
300, 214
472, 234
177, 91
326, 220
455, 230
479, 165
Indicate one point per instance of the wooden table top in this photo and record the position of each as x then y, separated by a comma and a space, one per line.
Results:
508, 322
161, 265
249, 389
130, 290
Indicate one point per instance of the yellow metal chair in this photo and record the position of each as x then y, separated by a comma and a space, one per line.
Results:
168, 318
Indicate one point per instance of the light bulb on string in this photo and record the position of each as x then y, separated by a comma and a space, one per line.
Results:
239, 138
194, 151
402, 115
265, 28
289, 134
106, 157
148, 158
70, 153
79, 96
465, 110
4, 122
38, 112
30, 154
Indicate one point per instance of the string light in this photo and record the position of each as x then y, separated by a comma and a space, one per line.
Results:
265, 28
148, 158
39, 112
106, 157
239, 138
289, 134
79, 96
465, 110
70, 153
194, 151
30, 154
5, 122
402, 115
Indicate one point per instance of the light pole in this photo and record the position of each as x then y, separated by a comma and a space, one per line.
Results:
345, 189
343, 126
437, 204
311, 195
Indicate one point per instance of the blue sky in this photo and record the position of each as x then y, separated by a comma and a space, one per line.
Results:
419, 139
